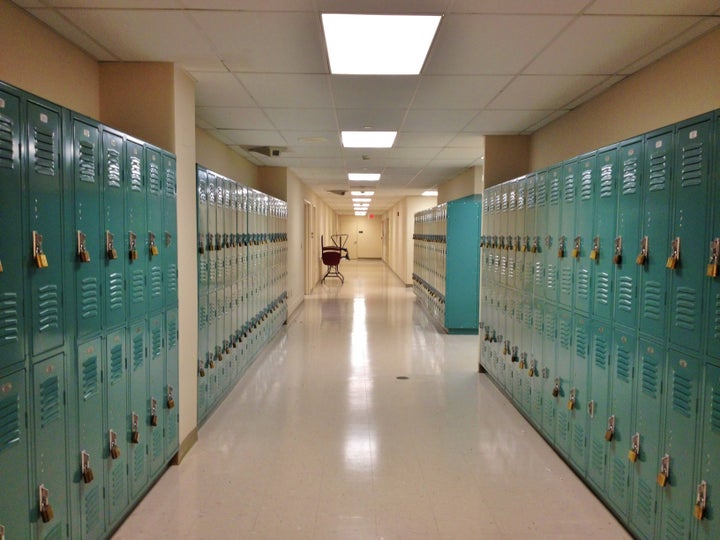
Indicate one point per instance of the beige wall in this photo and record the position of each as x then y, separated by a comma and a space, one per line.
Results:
366, 244
400, 221
217, 157
506, 157
681, 85
469, 182
36, 59
274, 181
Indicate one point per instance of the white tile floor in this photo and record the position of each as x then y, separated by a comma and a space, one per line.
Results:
320, 440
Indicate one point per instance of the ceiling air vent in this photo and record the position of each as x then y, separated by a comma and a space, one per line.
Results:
269, 151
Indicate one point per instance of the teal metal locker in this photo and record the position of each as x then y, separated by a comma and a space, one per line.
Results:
511, 232
680, 421
155, 250
503, 220
44, 234
620, 419
211, 186
657, 197
712, 323
14, 460
203, 357
140, 407
608, 250
219, 228
693, 159
169, 236
629, 232
553, 241
549, 361
172, 384
564, 380
12, 254
649, 397
119, 427
539, 391
49, 448
203, 240
113, 230
529, 235
136, 247
84, 231
92, 440
577, 401
525, 351
541, 239
708, 470
157, 392
585, 246
566, 248
597, 403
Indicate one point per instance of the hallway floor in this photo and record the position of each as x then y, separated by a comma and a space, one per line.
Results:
321, 440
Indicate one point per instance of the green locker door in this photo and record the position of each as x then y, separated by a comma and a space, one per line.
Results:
548, 370
712, 323
44, 234
538, 244
538, 381
709, 472
552, 235
519, 233
169, 237
529, 234
647, 415
157, 394
693, 157
171, 398
203, 241
203, 356
211, 186
580, 394
139, 405
49, 440
526, 350
112, 252
155, 242
583, 234
619, 467
92, 441
657, 195
12, 319
136, 253
597, 403
563, 378
503, 232
14, 461
681, 404
511, 232
629, 232
603, 236
119, 426
84, 240
566, 262
219, 230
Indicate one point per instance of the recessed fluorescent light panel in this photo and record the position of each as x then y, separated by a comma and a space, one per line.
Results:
378, 44
430, 193
361, 213
368, 139
361, 199
363, 177
362, 193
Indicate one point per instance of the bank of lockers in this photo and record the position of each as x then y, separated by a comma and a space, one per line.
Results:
242, 281
75, 262
621, 357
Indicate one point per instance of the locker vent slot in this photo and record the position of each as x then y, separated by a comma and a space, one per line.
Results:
155, 281
550, 277
91, 511
6, 143
565, 334
86, 162
155, 184
692, 161
625, 294
583, 284
170, 183
9, 318
602, 290
682, 394
539, 274
510, 269
541, 193
503, 266
116, 293
9, 422
715, 408
44, 162
136, 182
116, 364
581, 343
56, 533
521, 198
597, 456
202, 193
566, 281
578, 440
630, 176
645, 501
675, 524
172, 284
49, 401
512, 201
527, 316
157, 453
138, 287
530, 201
650, 377
569, 188
586, 185
172, 333
90, 376
156, 341
550, 327
652, 301
89, 298
211, 194
624, 364
528, 274
203, 271
139, 464
606, 181
601, 352
716, 325
117, 483
538, 321
555, 190
658, 172
563, 426
138, 352
112, 168
49, 308
685, 302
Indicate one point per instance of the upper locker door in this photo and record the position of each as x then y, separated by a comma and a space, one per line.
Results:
552, 239
169, 241
567, 247
44, 234
155, 242
84, 232
693, 158
712, 318
203, 242
12, 320
585, 247
136, 232
113, 161
539, 246
603, 238
529, 234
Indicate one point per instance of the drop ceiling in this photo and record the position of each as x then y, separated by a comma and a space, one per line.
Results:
495, 67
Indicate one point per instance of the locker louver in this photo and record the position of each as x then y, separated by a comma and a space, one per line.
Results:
658, 172
154, 183
90, 298
602, 290
569, 188
92, 509
675, 524
115, 293
555, 190
685, 301
9, 422
172, 333
172, 282
692, 165
652, 303
9, 317
135, 173
619, 481
49, 401
138, 286
44, 159
715, 410
49, 308
601, 352
606, 181
113, 168
630, 176
86, 162
645, 500
138, 347
649, 377
581, 344
155, 281
170, 183
541, 194
583, 284
156, 346
586, 185
6, 142
682, 394
530, 197
565, 336
116, 364
625, 293
623, 368
90, 377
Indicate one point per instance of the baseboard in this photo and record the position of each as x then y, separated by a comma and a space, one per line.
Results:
185, 446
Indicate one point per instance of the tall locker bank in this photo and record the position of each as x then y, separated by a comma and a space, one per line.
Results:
73, 271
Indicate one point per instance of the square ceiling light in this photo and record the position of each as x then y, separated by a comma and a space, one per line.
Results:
368, 139
363, 177
362, 193
361, 214
362, 199
378, 44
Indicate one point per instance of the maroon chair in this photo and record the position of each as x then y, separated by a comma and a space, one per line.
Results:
331, 257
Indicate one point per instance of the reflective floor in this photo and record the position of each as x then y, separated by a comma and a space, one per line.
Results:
321, 440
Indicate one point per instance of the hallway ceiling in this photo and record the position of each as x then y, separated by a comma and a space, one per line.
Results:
495, 67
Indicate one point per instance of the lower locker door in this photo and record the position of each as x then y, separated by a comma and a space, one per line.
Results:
118, 427
598, 406
709, 527
579, 395
172, 398
156, 392
140, 406
563, 377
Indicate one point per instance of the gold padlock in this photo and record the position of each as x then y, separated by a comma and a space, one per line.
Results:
112, 254
531, 372
85, 255
699, 512
641, 259
617, 259
662, 479
561, 253
135, 437
133, 254
609, 435
88, 475
594, 254
39, 260
170, 403
633, 455
1, 267
555, 391
712, 270
115, 451
154, 250
211, 364
154, 420
671, 263
570, 405
47, 513
44, 259
575, 253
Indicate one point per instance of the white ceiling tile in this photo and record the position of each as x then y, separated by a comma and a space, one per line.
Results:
546, 7
265, 42
458, 92
220, 90
437, 120
545, 121
599, 89
379, 119
311, 151
383, 92
545, 91
490, 44
465, 155
288, 91
71, 32
331, 163
601, 44
423, 140
321, 173
302, 119
415, 153
653, 7
504, 122
254, 138
250, 5
120, 4
234, 117
416, 7
322, 139
468, 140
204, 64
